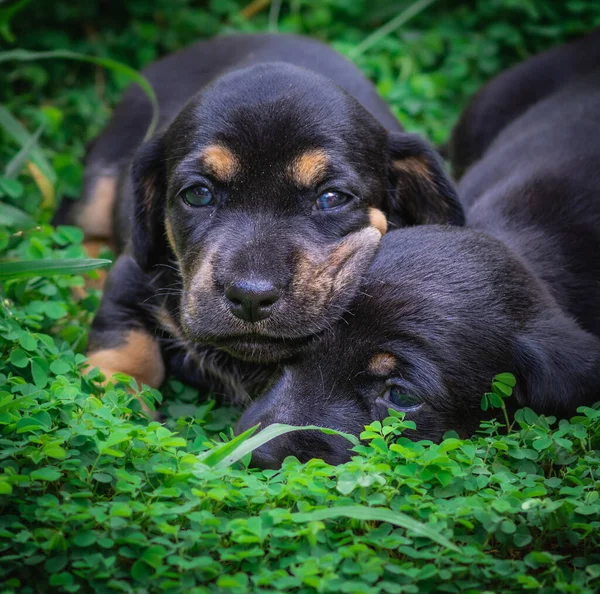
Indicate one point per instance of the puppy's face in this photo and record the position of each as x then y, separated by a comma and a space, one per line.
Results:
442, 312
272, 189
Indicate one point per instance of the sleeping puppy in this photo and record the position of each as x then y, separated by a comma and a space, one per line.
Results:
248, 220
443, 310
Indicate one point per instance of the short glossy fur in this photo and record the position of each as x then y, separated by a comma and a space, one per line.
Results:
248, 220
443, 310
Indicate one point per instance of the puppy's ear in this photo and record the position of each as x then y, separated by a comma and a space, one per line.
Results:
420, 192
149, 188
558, 367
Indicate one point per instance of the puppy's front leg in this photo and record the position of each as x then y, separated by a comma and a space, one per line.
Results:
123, 335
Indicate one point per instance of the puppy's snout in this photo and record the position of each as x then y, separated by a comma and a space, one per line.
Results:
251, 300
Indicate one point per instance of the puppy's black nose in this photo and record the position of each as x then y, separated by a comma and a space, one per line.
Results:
251, 301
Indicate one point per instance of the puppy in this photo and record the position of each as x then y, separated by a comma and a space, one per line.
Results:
249, 218
443, 310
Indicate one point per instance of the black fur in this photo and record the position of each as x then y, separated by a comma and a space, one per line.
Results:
517, 292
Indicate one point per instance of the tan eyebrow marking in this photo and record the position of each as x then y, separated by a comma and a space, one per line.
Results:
309, 167
221, 161
378, 220
382, 364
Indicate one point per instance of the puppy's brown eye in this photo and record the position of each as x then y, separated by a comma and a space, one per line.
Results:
198, 196
331, 200
402, 400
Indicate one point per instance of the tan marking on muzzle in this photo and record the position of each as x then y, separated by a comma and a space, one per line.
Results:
221, 161
308, 169
378, 220
96, 215
382, 364
321, 276
138, 357
170, 236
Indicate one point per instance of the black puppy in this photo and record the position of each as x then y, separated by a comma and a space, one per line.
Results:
443, 310
250, 217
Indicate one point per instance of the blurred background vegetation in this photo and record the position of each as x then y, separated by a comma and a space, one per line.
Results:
426, 69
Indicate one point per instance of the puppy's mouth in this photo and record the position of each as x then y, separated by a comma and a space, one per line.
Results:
260, 348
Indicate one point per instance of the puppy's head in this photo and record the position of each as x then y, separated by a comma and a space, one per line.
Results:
442, 311
271, 190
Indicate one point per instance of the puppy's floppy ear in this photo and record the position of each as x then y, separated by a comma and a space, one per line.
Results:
558, 366
148, 176
420, 191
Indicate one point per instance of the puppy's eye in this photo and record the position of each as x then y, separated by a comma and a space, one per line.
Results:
402, 400
331, 200
198, 196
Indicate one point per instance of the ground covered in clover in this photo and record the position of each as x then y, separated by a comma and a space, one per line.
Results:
95, 498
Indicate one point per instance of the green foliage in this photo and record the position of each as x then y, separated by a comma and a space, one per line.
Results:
97, 497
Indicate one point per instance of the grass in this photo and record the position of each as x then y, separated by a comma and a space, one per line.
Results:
96, 498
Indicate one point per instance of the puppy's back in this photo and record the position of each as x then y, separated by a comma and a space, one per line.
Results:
537, 189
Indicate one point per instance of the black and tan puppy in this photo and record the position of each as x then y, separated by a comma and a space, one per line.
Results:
248, 220
443, 310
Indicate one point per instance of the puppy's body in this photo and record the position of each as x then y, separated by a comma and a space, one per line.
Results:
444, 310
248, 220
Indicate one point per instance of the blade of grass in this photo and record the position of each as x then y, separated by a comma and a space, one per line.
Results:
11, 216
376, 514
18, 161
22, 55
216, 455
249, 444
413, 10
43, 183
14, 128
11, 270
6, 14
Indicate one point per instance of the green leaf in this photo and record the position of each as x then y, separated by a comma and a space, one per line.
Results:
60, 367
506, 378
19, 358
48, 474
54, 451
14, 217
375, 514
39, 370
10, 270
85, 538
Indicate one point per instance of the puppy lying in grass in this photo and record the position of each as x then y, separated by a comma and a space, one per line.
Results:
248, 220
443, 310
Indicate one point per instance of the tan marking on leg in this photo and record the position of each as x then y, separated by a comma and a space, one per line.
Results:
138, 357
378, 220
308, 169
382, 364
221, 161
96, 215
